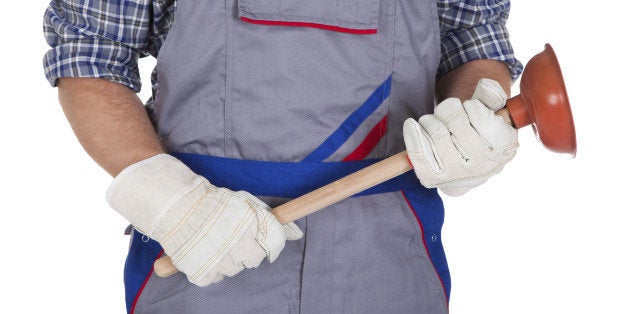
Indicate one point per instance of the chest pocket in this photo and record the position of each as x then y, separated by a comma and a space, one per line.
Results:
357, 17
296, 69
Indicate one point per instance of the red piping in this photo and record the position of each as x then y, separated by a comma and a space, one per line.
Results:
311, 25
425, 245
137, 296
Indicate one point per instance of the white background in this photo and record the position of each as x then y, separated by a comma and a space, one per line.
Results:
548, 235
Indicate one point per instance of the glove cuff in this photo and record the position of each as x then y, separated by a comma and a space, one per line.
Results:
144, 191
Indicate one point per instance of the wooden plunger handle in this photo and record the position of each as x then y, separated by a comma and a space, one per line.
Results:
331, 193
322, 197
343, 188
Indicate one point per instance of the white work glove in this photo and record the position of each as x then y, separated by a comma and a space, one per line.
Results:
461, 145
208, 232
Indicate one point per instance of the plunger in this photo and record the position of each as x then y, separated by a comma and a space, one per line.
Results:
543, 103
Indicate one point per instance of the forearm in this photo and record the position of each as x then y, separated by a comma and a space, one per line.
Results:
109, 121
461, 81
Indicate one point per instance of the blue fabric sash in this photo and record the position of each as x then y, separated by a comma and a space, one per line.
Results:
293, 179
285, 179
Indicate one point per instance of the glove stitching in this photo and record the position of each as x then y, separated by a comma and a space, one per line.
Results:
494, 91
263, 221
439, 162
453, 117
207, 225
465, 158
224, 246
263, 230
188, 213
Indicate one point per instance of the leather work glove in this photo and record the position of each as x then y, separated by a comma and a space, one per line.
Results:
208, 232
461, 145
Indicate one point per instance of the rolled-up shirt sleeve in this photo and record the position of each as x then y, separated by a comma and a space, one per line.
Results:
99, 39
475, 29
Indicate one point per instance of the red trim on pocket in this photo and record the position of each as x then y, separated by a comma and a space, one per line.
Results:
311, 25
371, 140
425, 245
137, 296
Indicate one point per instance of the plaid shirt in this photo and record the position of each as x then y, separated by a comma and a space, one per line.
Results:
105, 38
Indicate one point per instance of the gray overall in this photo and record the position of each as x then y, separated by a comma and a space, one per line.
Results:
308, 81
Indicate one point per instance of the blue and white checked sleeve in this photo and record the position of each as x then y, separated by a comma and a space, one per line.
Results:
475, 29
104, 39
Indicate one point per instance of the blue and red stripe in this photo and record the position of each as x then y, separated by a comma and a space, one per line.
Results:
370, 141
351, 124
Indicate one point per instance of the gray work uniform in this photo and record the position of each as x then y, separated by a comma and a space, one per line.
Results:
304, 82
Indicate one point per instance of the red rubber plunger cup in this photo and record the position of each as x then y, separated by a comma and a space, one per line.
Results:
543, 103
